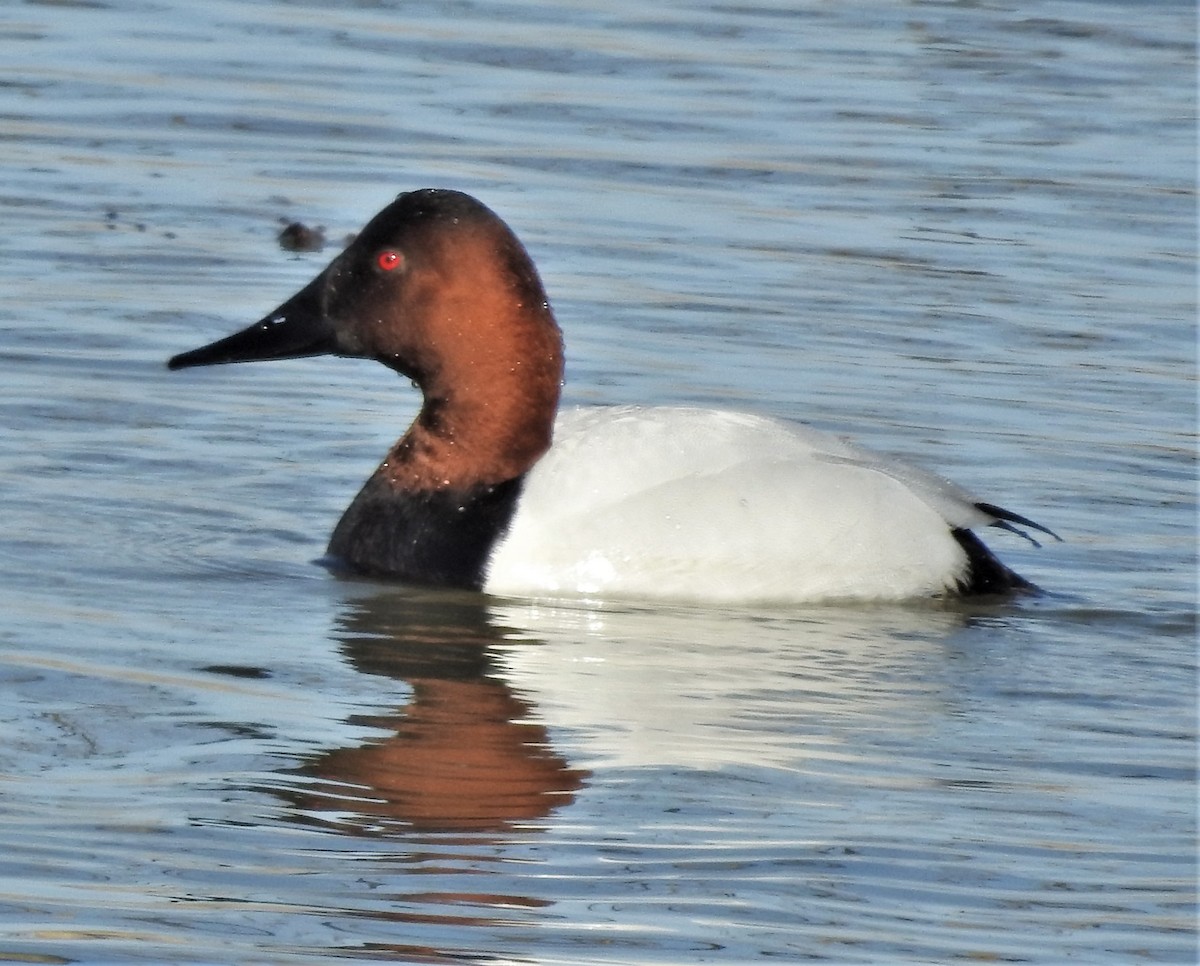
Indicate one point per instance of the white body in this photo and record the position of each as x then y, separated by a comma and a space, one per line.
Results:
718, 506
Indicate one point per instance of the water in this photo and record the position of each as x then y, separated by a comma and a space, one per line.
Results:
964, 233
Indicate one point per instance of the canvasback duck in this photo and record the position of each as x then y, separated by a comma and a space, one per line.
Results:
491, 489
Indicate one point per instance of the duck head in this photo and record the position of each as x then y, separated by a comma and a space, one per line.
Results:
438, 288
434, 274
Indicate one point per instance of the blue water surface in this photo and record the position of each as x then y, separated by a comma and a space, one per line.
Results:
964, 234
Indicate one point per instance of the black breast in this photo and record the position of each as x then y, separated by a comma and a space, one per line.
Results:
443, 538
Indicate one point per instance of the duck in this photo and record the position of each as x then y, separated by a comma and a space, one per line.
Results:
493, 489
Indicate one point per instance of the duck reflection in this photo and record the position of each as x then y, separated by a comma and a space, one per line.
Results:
465, 754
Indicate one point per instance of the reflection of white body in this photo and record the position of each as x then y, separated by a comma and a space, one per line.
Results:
717, 506
712, 687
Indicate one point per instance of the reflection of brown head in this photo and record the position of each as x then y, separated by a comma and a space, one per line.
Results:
463, 755
461, 759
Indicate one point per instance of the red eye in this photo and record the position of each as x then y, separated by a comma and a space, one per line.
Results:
389, 261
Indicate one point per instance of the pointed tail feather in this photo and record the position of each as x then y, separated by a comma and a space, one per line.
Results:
1005, 520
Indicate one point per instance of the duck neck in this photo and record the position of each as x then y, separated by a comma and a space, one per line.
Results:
479, 428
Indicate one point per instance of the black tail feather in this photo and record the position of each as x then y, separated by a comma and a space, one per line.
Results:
985, 573
1006, 518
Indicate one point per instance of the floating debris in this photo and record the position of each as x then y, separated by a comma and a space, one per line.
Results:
298, 237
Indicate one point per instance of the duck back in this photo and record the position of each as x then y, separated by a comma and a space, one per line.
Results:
719, 506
